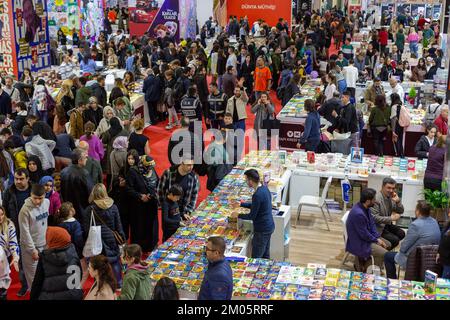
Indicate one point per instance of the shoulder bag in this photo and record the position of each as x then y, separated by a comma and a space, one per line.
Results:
119, 240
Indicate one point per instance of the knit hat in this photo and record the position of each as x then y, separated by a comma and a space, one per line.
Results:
57, 237
148, 161
121, 142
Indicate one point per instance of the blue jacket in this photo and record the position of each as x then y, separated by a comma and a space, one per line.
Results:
361, 231
89, 67
129, 64
423, 231
152, 88
73, 227
218, 282
312, 128
260, 211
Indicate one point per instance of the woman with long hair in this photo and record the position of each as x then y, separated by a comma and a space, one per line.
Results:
397, 129
118, 91
413, 40
112, 59
330, 82
107, 215
379, 123
165, 289
419, 72
10, 250
105, 284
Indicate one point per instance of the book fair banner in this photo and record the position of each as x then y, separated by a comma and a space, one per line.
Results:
188, 19
24, 36
268, 10
158, 17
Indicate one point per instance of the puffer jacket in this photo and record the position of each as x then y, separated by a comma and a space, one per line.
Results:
43, 149
136, 284
52, 275
107, 211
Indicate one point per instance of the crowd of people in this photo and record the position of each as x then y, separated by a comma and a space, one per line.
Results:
82, 155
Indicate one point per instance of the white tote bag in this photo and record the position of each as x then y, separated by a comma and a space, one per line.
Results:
93, 246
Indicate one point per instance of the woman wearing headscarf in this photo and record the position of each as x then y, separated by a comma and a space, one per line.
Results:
52, 276
142, 183
108, 138
118, 156
52, 196
42, 148
34, 167
103, 126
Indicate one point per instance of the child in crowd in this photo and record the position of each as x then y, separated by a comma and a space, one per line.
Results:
53, 197
66, 219
171, 212
15, 148
57, 181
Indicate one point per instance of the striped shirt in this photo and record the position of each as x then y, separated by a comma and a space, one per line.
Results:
9, 242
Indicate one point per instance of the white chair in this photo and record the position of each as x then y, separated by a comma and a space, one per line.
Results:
317, 202
344, 227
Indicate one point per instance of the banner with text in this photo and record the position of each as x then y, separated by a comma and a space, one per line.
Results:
268, 10
31, 35
158, 17
8, 63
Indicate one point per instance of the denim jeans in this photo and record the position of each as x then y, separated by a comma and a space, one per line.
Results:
446, 272
389, 263
414, 48
261, 245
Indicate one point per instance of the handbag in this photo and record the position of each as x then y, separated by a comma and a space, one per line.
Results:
119, 240
93, 246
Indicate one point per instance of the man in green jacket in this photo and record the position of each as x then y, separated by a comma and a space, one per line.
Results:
84, 93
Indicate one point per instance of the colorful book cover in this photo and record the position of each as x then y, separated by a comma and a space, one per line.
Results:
430, 282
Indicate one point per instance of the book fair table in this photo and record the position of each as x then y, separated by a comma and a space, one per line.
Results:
182, 256
306, 177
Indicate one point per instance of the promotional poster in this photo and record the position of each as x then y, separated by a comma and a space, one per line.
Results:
91, 18
188, 19
64, 15
159, 17
24, 41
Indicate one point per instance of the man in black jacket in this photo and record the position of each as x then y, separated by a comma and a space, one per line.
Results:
191, 107
326, 110
98, 91
347, 120
13, 200
153, 90
76, 185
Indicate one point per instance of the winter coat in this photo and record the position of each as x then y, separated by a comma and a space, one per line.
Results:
83, 94
261, 113
75, 230
94, 116
109, 213
55, 203
52, 275
96, 150
423, 147
152, 88
76, 186
76, 124
218, 282
136, 284
108, 141
11, 206
100, 93
42, 149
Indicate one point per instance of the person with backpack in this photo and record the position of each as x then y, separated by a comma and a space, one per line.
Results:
400, 119
433, 110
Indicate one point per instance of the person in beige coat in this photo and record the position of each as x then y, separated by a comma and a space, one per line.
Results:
104, 286
236, 106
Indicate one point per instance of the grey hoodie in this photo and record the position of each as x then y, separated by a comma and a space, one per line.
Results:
33, 225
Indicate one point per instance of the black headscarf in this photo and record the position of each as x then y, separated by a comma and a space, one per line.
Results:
115, 127
39, 173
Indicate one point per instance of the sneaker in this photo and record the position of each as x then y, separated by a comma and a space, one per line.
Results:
22, 292
169, 127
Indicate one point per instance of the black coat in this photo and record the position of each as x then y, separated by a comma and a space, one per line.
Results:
76, 186
111, 218
94, 116
422, 147
11, 207
53, 275
100, 93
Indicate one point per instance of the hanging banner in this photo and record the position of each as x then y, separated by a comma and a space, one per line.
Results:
92, 15
8, 61
158, 17
64, 15
188, 19
268, 10
30, 34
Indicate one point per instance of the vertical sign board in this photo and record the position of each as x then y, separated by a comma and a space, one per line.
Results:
8, 62
188, 19
24, 41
